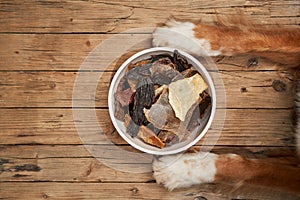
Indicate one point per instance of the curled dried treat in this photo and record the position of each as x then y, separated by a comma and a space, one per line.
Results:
197, 111
149, 137
144, 93
158, 91
168, 137
123, 84
180, 62
123, 97
135, 75
120, 111
132, 128
163, 72
185, 74
138, 64
205, 104
161, 114
189, 73
164, 57
153, 128
142, 98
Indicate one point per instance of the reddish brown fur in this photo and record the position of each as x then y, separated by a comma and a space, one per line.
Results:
237, 169
280, 45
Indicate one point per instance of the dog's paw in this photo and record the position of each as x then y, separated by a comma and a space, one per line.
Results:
174, 34
184, 170
181, 35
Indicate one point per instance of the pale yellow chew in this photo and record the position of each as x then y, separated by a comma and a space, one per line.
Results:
184, 93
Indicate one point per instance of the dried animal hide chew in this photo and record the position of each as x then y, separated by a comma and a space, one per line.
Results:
122, 99
137, 64
189, 73
184, 93
185, 74
136, 74
144, 93
131, 128
180, 62
205, 103
192, 119
153, 128
158, 57
120, 111
143, 98
163, 72
124, 84
198, 110
150, 137
161, 114
168, 137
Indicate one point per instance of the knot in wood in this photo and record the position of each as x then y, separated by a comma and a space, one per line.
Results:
200, 198
279, 86
243, 89
52, 85
88, 43
134, 190
252, 62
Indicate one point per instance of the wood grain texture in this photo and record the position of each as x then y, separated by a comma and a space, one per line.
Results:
44, 163
44, 43
52, 190
74, 151
106, 16
55, 89
63, 52
264, 127
79, 170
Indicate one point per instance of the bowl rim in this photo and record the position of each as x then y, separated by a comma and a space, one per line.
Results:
198, 66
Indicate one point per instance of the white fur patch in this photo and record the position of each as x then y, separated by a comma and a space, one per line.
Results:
185, 170
181, 35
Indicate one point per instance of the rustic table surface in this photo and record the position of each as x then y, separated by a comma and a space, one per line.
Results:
42, 45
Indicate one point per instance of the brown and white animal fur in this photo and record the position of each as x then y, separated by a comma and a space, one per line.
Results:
280, 45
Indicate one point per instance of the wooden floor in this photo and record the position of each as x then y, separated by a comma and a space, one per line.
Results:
42, 45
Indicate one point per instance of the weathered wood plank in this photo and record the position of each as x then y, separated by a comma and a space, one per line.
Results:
293, 8
88, 169
53, 190
56, 126
107, 16
45, 52
68, 51
68, 169
79, 170
55, 89
11, 152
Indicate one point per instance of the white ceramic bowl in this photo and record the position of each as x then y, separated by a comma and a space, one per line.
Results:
138, 143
